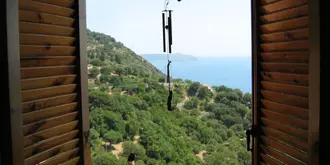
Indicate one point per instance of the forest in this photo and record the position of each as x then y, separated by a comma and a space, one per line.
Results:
128, 107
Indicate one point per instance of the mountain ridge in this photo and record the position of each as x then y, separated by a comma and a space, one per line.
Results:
104, 50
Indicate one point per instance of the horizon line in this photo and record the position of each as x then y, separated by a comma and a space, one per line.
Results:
141, 54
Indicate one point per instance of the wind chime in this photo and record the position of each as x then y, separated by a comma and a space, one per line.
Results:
167, 48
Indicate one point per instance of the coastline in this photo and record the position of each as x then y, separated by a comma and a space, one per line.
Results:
230, 72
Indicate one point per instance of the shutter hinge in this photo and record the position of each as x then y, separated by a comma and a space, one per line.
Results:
250, 132
86, 135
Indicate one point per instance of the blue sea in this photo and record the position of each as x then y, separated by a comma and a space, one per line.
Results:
233, 72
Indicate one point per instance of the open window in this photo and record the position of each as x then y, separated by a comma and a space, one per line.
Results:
45, 106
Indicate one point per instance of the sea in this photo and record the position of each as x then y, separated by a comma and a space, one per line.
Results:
233, 72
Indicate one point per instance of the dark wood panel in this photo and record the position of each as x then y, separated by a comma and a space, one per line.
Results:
286, 25
49, 123
85, 153
35, 39
45, 8
286, 14
73, 161
292, 100
255, 30
36, 72
286, 57
288, 150
63, 3
37, 17
270, 161
286, 139
300, 34
49, 143
285, 119
285, 46
46, 134
280, 156
36, 94
318, 139
37, 28
281, 5
285, 109
296, 79
46, 50
285, 88
35, 83
264, 2
43, 114
294, 132
61, 158
51, 152
285, 67
36, 105
47, 61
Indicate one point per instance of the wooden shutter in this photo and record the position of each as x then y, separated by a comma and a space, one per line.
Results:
281, 75
47, 70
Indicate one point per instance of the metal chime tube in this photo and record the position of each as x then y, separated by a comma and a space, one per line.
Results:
170, 32
170, 27
164, 35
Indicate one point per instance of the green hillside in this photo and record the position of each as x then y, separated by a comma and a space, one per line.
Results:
105, 51
128, 100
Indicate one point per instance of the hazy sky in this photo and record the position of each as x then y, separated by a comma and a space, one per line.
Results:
200, 27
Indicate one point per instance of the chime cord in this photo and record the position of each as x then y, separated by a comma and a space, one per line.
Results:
166, 4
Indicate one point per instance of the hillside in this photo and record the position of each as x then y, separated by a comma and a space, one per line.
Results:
128, 99
105, 51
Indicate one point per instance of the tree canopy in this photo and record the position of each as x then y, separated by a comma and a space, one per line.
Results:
128, 100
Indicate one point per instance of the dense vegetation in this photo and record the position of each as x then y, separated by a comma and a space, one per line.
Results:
128, 98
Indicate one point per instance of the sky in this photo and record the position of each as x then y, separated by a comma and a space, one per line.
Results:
200, 27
